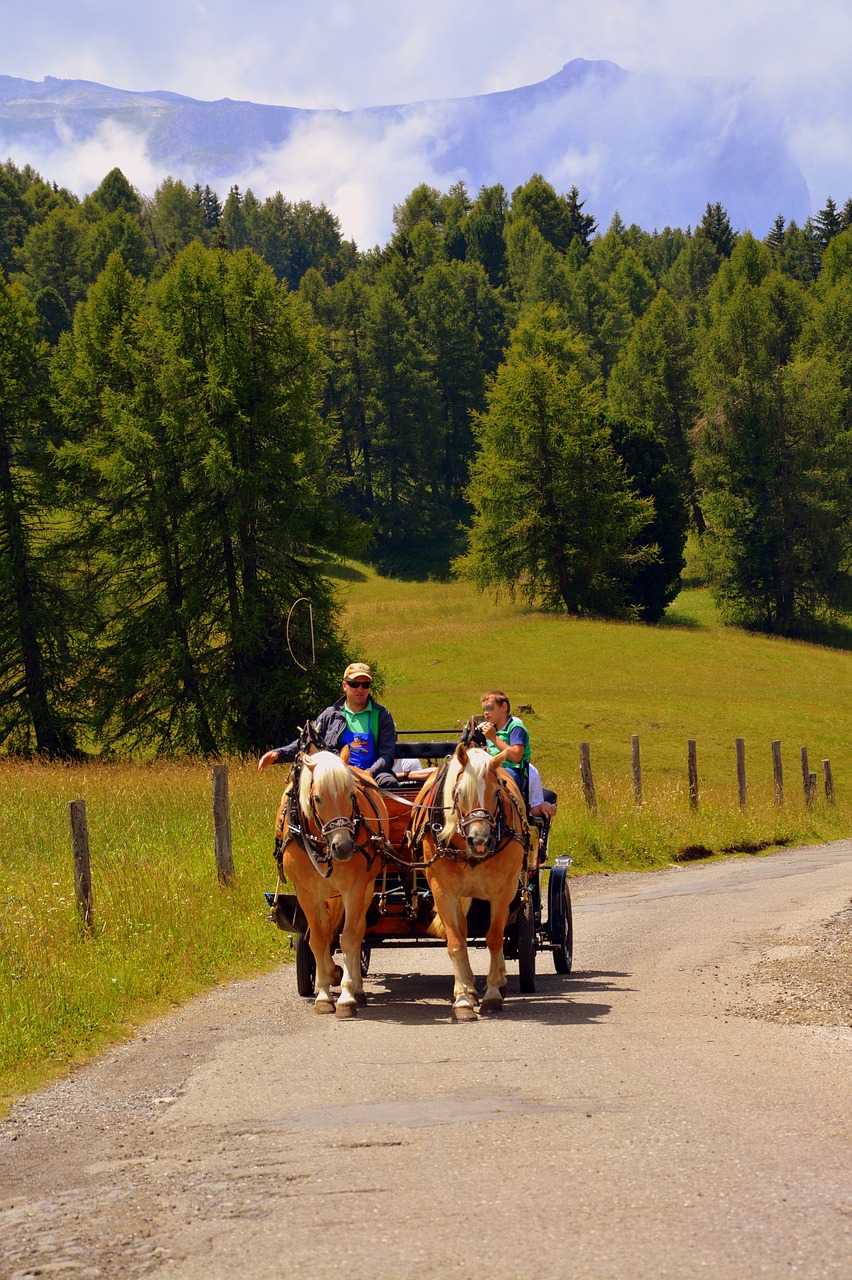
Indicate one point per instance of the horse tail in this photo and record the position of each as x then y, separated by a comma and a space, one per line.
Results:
436, 927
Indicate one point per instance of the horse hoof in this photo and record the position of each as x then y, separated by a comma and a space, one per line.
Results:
491, 1005
345, 1010
464, 1013
324, 1006
360, 999
336, 975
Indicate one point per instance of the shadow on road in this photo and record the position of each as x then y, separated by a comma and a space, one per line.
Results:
570, 999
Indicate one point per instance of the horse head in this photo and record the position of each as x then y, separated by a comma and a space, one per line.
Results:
472, 799
327, 801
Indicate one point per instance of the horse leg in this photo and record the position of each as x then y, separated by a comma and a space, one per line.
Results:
319, 938
455, 922
492, 1001
352, 987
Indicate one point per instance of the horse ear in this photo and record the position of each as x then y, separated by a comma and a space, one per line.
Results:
496, 761
344, 753
461, 755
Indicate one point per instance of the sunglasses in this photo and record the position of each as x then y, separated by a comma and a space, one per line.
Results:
359, 684
488, 706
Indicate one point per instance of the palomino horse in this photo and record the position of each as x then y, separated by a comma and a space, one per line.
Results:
474, 839
332, 827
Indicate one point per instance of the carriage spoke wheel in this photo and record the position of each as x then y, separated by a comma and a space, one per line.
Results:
526, 945
306, 967
365, 958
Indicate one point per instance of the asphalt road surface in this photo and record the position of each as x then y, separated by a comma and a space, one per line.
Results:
626, 1121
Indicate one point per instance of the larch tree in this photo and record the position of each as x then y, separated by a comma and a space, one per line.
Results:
555, 517
200, 460
35, 618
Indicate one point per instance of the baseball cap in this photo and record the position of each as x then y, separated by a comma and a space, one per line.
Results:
356, 669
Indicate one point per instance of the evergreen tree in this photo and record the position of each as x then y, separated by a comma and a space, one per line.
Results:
649, 588
16, 215
200, 462
35, 645
582, 225
773, 455
828, 223
715, 226
654, 382
413, 526
52, 256
554, 514
484, 237
549, 213
114, 193
173, 219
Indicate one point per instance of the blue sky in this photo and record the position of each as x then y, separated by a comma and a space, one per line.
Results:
351, 53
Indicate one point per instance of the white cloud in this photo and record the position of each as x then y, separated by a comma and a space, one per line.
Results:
81, 166
358, 169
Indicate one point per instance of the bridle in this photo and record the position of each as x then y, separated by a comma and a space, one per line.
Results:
317, 846
500, 833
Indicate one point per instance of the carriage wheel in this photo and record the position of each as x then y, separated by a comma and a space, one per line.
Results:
365, 958
560, 919
526, 946
306, 967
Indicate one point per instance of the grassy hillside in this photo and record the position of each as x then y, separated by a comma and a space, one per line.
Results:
440, 645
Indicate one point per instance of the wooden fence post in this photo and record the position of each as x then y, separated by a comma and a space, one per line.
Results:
222, 825
82, 866
741, 772
829, 781
778, 773
811, 789
806, 776
637, 770
588, 780
692, 766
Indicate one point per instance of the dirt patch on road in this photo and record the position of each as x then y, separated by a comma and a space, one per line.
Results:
807, 980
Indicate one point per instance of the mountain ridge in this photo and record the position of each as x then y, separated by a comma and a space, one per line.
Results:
654, 148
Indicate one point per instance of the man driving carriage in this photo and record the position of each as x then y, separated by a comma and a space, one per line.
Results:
356, 721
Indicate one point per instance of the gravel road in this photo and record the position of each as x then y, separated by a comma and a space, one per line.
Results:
679, 1106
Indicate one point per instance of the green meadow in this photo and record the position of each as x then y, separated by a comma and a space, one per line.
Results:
163, 929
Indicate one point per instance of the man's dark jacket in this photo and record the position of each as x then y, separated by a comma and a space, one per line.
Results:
331, 726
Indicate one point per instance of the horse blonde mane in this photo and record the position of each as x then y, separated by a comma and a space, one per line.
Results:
470, 778
329, 775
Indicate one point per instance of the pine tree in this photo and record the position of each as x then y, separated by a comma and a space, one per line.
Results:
828, 223
199, 461
35, 640
555, 517
773, 454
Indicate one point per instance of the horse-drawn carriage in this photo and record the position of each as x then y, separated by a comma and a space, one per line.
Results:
449, 860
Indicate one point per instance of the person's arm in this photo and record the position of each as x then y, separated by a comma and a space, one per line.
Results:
517, 741
386, 745
279, 755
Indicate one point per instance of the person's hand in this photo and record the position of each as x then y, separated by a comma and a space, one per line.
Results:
271, 757
488, 731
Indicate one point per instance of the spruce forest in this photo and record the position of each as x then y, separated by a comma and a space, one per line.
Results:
204, 404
